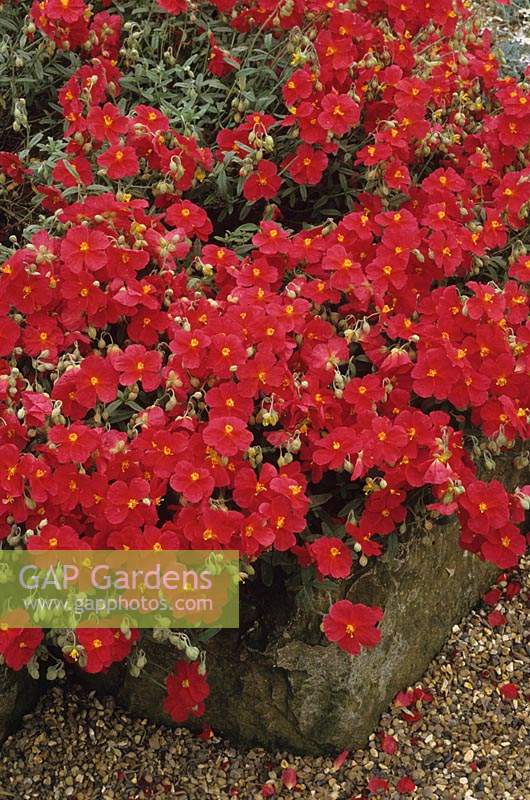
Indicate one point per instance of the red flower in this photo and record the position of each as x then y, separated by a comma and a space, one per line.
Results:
411, 93
187, 689
9, 336
284, 521
487, 301
18, 645
122, 645
11, 478
126, 501
388, 441
353, 627
151, 118
73, 172
192, 482
486, 504
106, 123
119, 161
512, 131
97, 646
226, 352
67, 11
340, 113
190, 346
163, 450
503, 546
332, 556
12, 166
226, 399
44, 334
271, 239
56, 537
255, 535
263, 183
433, 374
346, 271
298, 87
228, 435
68, 486
249, 490
190, 218
397, 176
37, 407
335, 50
84, 249
363, 536
520, 269
75, 443
308, 165
221, 62
335, 447
138, 364
173, 6
95, 380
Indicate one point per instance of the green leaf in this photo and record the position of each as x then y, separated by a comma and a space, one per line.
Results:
208, 634
316, 500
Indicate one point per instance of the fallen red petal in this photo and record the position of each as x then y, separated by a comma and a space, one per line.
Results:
339, 761
496, 618
289, 778
406, 786
376, 785
510, 691
389, 744
492, 597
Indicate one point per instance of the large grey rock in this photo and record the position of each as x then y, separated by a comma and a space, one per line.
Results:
309, 696
287, 687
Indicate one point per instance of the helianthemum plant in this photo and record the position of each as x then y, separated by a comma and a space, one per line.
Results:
275, 305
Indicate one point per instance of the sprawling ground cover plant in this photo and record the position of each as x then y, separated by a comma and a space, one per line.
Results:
276, 299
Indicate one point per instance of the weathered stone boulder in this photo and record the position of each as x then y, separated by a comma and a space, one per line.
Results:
287, 687
309, 696
19, 693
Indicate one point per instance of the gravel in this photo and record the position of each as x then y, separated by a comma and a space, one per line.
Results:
469, 743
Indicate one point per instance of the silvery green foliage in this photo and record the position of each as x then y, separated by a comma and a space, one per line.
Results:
515, 34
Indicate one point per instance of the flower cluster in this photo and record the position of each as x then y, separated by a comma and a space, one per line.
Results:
164, 387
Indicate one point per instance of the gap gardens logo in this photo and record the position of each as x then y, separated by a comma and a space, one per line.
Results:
117, 589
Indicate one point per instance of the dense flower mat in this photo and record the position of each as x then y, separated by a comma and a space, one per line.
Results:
280, 308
